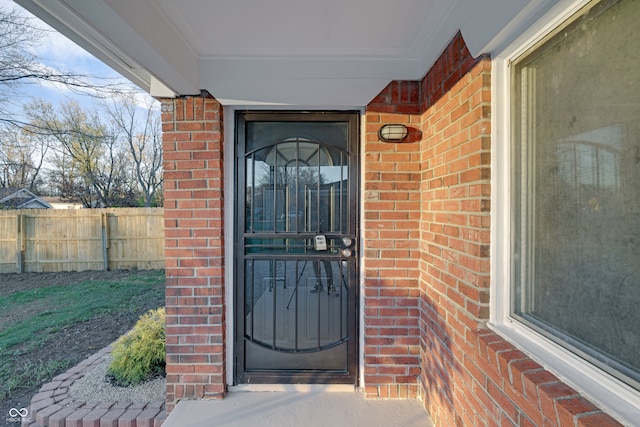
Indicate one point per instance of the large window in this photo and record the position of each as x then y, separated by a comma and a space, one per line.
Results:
575, 189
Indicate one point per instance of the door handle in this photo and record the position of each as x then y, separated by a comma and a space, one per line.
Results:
349, 246
346, 252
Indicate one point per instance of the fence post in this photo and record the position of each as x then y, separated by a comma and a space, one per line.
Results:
105, 240
21, 242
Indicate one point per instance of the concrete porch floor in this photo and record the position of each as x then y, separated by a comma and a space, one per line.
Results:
292, 409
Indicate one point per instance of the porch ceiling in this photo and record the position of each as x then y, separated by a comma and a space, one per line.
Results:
288, 52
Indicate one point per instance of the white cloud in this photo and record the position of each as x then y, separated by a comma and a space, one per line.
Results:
144, 100
63, 49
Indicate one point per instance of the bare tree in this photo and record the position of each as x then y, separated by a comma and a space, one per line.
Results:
140, 128
94, 163
17, 36
108, 158
22, 156
19, 67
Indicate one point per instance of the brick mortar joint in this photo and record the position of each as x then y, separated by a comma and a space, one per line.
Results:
458, 252
577, 417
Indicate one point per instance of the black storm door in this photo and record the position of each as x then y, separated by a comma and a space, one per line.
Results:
296, 253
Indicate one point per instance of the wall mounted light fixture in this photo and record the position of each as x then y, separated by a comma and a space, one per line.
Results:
393, 132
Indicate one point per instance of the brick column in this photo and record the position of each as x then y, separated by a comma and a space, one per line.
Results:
455, 233
194, 248
391, 246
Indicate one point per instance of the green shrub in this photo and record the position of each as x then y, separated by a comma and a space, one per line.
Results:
139, 355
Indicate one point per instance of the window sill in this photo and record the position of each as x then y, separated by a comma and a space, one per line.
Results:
612, 396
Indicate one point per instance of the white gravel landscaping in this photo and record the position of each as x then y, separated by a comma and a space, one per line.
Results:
95, 387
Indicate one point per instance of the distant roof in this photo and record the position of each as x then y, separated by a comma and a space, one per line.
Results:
21, 198
57, 201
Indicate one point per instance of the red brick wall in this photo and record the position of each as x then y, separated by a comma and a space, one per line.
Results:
455, 221
426, 253
391, 221
426, 257
396, 207
194, 248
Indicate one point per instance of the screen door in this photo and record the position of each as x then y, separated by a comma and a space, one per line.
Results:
296, 251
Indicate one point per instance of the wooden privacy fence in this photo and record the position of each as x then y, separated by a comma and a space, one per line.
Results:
37, 240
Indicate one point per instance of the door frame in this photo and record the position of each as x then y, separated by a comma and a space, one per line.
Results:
232, 171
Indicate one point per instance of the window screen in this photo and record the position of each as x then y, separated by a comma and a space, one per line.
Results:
576, 180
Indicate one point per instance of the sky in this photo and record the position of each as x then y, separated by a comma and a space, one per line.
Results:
56, 51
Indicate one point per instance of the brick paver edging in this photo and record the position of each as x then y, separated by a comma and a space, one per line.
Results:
52, 406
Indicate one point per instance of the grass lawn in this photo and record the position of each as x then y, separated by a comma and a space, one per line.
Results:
46, 329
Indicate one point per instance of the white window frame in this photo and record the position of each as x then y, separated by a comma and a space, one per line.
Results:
612, 395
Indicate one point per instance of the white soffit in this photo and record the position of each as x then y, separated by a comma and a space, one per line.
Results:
279, 52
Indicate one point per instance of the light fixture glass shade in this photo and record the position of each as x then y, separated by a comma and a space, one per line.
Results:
393, 132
